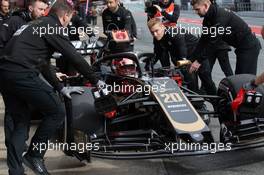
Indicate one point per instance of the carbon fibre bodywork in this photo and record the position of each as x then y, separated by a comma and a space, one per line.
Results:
150, 125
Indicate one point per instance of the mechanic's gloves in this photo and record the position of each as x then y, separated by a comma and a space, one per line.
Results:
61, 76
67, 91
102, 87
92, 39
194, 66
250, 85
104, 102
100, 84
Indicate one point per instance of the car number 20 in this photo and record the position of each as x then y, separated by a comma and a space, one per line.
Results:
171, 98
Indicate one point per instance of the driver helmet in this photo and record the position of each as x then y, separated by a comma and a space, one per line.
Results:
125, 67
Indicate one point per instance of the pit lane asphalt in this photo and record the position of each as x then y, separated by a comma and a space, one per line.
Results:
247, 162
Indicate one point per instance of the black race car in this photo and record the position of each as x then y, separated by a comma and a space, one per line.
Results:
154, 113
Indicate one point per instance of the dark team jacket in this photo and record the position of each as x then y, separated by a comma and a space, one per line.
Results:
178, 45
29, 50
121, 19
233, 30
10, 26
3, 18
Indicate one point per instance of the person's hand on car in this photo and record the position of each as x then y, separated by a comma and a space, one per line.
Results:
61, 76
67, 91
250, 85
194, 66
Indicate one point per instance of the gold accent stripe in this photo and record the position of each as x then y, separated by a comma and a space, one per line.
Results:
189, 127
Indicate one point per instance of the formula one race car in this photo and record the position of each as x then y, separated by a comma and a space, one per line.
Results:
153, 114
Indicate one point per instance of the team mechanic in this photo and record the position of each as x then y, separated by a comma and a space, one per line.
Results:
35, 10
180, 47
168, 13
26, 55
231, 29
117, 17
4, 11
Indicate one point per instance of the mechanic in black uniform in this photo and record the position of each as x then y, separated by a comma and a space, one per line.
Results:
27, 55
220, 23
4, 11
179, 46
116, 17
36, 9
166, 11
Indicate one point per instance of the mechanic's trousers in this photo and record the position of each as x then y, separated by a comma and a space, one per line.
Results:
204, 73
9, 128
247, 58
19, 90
223, 59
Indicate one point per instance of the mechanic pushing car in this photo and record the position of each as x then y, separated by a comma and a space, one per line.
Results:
179, 46
220, 23
35, 10
21, 86
166, 11
116, 17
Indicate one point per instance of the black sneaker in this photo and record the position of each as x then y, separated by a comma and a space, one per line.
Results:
35, 164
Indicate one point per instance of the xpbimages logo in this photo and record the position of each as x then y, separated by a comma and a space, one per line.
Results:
208, 147
128, 88
194, 30
79, 147
59, 30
